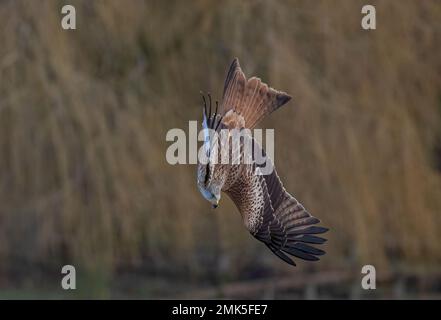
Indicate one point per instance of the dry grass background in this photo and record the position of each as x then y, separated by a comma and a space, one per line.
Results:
83, 118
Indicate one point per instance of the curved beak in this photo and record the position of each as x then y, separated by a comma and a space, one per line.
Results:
214, 202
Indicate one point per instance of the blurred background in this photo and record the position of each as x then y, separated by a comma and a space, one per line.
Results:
84, 179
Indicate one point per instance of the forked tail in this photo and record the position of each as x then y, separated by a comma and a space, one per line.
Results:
252, 99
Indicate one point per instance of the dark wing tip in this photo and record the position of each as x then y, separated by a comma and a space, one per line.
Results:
235, 64
281, 255
282, 98
309, 230
307, 238
300, 253
298, 242
308, 249
323, 229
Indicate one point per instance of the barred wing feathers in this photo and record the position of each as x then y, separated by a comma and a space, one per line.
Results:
275, 217
268, 211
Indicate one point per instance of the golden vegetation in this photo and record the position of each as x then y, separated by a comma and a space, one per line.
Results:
84, 113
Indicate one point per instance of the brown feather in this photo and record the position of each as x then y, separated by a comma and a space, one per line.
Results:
273, 216
251, 99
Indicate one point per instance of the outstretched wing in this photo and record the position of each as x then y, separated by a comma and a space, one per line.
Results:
286, 226
270, 213
275, 217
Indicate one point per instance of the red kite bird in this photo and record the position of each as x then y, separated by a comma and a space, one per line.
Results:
268, 211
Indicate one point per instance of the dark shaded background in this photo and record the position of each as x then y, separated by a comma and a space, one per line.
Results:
83, 119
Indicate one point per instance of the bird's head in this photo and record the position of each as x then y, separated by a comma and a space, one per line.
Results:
210, 174
209, 186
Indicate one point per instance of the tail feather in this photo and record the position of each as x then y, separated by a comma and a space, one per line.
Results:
252, 98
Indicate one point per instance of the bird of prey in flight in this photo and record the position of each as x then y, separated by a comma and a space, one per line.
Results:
268, 211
